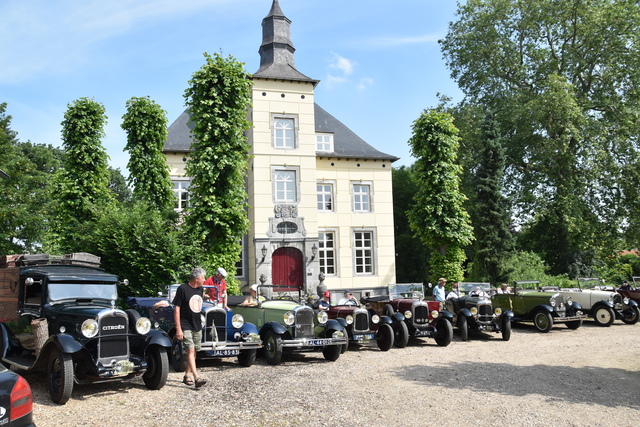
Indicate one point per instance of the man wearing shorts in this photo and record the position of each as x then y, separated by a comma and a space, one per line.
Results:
186, 315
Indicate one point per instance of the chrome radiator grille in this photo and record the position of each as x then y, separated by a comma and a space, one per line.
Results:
304, 323
420, 314
113, 337
361, 321
217, 317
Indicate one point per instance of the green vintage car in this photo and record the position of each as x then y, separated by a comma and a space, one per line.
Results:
287, 325
544, 309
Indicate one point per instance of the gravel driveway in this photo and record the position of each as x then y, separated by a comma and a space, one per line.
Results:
590, 376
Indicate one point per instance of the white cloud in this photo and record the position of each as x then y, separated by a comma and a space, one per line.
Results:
341, 64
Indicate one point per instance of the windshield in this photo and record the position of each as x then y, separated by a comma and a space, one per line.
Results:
466, 287
589, 283
62, 291
408, 290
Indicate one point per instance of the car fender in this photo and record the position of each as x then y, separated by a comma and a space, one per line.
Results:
464, 312
334, 325
445, 314
632, 303
397, 317
385, 320
156, 337
249, 328
542, 307
508, 314
342, 321
600, 304
276, 327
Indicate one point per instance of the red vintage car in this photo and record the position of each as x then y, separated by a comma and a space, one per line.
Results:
412, 316
363, 326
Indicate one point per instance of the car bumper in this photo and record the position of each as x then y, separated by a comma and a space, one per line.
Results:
313, 342
568, 319
224, 348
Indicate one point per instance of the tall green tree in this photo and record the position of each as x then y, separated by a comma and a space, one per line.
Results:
412, 256
83, 192
438, 216
562, 77
146, 125
118, 186
218, 97
494, 240
25, 204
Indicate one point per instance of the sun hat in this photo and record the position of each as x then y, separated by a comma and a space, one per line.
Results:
221, 271
254, 288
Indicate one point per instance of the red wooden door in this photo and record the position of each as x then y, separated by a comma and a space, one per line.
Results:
287, 269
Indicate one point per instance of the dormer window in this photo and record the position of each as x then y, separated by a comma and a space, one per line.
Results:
324, 142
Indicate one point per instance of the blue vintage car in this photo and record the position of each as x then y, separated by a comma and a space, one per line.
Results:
224, 333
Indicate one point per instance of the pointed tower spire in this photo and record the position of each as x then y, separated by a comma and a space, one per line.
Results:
276, 50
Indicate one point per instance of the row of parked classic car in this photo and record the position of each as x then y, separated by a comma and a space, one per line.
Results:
87, 338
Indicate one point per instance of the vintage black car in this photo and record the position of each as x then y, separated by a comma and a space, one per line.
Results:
16, 401
224, 334
473, 310
80, 336
287, 324
363, 326
412, 316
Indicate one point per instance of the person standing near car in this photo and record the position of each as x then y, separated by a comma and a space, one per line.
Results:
438, 291
186, 316
217, 292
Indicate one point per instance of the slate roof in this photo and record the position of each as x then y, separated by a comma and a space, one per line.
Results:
346, 144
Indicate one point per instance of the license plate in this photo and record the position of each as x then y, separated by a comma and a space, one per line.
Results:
215, 353
318, 342
420, 333
364, 337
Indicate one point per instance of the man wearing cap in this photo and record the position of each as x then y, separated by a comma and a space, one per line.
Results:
438, 291
325, 302
348, 299
217, 288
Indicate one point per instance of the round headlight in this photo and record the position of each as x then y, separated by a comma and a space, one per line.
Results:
498, 311
89, 328
237, 321
552, 301
322, 317
349, 319
143, 326
626, 300
375, 318
569, 301
474, 310
289, 318
435, 314
408, 314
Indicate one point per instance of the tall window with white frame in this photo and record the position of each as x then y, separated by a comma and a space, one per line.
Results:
181, 194
363, 252
361, 197
327, 252
285, 186
284, 133
325, 196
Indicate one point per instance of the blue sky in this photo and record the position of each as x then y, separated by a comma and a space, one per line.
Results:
378, 62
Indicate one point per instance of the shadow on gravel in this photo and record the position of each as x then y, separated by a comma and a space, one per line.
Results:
588, 385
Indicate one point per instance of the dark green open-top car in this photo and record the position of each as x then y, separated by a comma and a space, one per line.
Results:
286, 324
544, 309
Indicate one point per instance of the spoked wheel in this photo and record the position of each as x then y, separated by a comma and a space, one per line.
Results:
272, 348
60, 376
155, 377
604, 316
543, 321
385, 337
